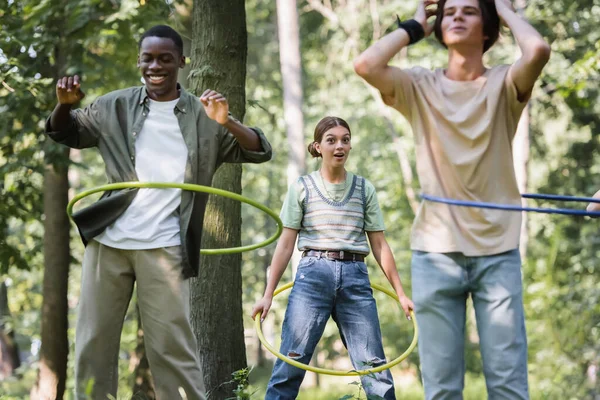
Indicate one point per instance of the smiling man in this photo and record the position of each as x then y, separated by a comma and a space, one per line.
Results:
464, 118
153, 133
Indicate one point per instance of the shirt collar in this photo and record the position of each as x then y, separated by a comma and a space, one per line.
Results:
182, 105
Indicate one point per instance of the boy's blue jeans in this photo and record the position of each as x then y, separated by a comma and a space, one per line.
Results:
340, 289
441, 283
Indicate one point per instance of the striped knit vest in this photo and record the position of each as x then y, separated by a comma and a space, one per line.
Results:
333, 225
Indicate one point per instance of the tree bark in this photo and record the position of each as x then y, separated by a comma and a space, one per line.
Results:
52, 374
9, 351
219, 48
291, 74
184, 27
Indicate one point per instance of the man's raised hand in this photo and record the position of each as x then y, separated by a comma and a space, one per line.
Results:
215, 105
68, 90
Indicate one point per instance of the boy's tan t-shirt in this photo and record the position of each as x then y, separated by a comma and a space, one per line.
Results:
463, 132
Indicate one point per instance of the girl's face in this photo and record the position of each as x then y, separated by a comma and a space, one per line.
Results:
335, 146
462, 23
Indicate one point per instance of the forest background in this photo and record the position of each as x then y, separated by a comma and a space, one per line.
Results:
556, 151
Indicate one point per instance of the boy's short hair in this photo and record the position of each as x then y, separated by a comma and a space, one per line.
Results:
489, 16
163, 31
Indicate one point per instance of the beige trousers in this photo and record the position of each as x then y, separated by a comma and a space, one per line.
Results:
163, 297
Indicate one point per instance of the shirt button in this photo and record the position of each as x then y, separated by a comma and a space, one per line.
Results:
134, 133
183, 109
132, 158
144, 114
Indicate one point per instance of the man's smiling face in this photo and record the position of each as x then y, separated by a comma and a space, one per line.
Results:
159, 61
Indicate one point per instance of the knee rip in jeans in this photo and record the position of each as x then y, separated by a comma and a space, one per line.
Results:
374, 362
293, 355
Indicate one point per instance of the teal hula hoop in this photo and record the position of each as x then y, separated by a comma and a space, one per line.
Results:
193, 188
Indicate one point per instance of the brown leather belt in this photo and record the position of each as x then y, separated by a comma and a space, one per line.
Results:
334, 255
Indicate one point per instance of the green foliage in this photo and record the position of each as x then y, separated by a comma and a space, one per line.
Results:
242, 390
98, 39
562, 292
40, 41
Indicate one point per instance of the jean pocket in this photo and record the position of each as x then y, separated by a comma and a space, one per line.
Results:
362, 267
306, 262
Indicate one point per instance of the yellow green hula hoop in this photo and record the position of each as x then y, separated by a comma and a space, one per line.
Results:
194, 188
324, 371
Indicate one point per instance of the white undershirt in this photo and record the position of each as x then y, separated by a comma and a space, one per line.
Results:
152, 219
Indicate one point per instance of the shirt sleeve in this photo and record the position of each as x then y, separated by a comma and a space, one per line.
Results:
404, 90
232, 152
292, 210
373, 216
84, 129
515, 106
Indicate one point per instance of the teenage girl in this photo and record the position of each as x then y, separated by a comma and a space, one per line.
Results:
331, 212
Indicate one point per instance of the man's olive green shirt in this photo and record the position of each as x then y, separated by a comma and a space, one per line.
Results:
113, 122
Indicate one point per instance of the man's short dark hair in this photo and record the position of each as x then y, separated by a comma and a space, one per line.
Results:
163, 31
489, 17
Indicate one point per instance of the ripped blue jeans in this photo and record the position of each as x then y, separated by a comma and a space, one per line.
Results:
340, 289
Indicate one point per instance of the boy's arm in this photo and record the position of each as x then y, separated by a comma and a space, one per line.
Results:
372, 64
535, 51
68, 93
245, 136
61, 126
594, 206
217, 109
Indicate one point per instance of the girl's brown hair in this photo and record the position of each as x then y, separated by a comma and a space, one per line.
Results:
489, 16
323, 126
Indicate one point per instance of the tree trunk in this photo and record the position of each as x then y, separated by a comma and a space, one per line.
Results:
52, 374
183, 25
291, 75
219, 49
9, 351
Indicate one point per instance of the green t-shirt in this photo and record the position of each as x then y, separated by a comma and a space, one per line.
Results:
292, 209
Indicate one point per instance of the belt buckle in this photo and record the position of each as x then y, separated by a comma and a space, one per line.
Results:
342, 255
326, 254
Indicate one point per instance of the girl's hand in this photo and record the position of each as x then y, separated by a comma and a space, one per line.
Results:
407, 305
263, 306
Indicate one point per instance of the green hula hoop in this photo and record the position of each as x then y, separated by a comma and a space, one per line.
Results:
324, 371
194, 188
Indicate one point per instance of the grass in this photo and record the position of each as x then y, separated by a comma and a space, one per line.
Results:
334, 388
